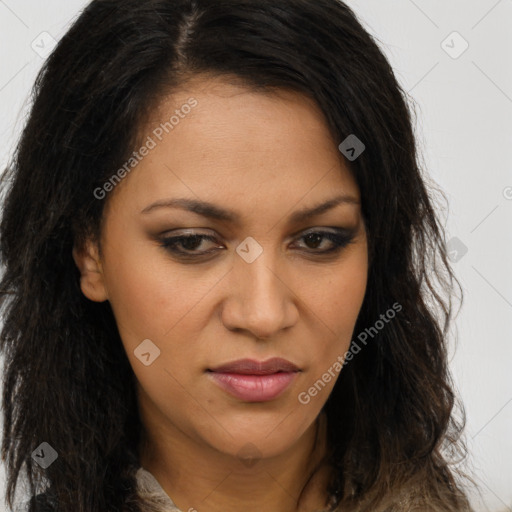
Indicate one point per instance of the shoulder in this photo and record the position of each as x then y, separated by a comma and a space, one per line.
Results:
153, 497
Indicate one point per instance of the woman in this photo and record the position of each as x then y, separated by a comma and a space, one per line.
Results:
219, 286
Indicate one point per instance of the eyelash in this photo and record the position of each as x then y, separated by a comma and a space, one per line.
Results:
340, 239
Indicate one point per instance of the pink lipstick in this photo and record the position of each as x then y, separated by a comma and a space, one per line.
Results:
254, 381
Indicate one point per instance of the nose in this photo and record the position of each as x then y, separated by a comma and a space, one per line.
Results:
259, 300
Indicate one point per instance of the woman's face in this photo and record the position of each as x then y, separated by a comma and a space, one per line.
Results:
259, 284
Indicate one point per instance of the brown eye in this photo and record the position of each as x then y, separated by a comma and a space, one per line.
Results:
337, 240
195, 247
313, 240
179, 245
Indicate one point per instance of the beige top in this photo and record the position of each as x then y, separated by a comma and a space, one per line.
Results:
155, 498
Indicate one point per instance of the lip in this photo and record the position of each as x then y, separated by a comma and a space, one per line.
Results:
254, 381
253, 367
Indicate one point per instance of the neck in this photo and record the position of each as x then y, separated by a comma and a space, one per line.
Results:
201, 478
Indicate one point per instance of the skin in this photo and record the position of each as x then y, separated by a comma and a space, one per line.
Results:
263, 157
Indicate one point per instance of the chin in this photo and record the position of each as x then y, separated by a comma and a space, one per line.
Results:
258, 439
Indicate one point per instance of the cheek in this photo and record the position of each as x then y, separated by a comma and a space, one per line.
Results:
152, 301
346, 294
147, 295
338, 301
134, 293
336, 306
155, 298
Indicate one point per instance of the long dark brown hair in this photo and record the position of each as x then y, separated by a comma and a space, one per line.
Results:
392, 425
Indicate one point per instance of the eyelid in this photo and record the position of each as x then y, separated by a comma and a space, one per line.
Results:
315, 229
339, 238
348, 231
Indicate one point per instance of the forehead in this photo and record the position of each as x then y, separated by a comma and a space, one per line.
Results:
218, 140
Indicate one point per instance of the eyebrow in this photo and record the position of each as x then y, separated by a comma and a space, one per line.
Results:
213, 211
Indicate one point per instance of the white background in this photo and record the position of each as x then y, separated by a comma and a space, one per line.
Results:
465, 135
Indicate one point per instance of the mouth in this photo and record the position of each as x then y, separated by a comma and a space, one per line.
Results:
254, 381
